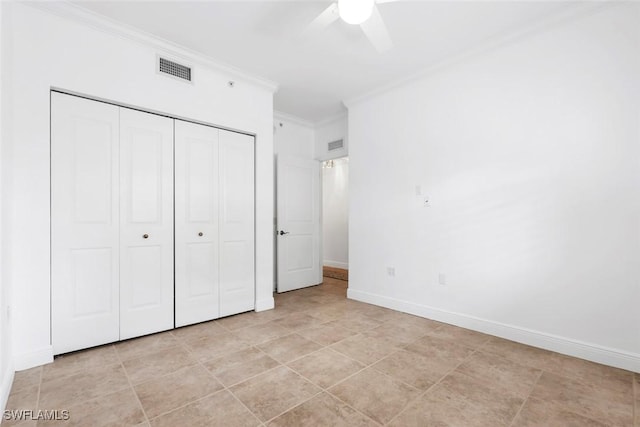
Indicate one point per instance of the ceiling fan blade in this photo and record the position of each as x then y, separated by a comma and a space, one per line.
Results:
385, 1
376, 32
326, 18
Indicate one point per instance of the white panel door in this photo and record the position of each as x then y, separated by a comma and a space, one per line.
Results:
84, 223
196, 237
146, 223
298, 239
236, 224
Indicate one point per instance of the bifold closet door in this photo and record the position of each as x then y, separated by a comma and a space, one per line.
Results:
236, 224
146, 223
196, 197
84, 223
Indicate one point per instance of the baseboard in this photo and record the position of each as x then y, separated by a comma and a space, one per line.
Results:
5, 388
265, 304
33, 359
582, 350
335, 264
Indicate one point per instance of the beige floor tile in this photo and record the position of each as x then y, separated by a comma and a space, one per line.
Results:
274, 392
207, 348
27, 378
498, 372
142, 346
171, 391
459, 400
157, 363
321, 411
359, 323
597, 403
366, 350
636, 387
72, 363
519, 353
219, 409
258, 334
536, 413
411, 368
236, 367
426, 325
297, 321
591, 373
327, 333
443, 354
61, 393
240, 321
199, 331
375, 394
289, 347
24, 399
116, 409
399, 334
326, 367
462, 336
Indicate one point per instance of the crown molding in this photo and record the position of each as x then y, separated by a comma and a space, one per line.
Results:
568, 14
279, 115
75, 13
331, 119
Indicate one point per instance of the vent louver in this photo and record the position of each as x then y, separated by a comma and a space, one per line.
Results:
174, 69
335, 145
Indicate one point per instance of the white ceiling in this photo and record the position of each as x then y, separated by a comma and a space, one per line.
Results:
316, 74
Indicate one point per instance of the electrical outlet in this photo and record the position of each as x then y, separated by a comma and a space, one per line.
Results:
391, 271
426, 201
442, 279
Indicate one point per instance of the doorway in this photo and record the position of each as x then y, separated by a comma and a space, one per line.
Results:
335, 221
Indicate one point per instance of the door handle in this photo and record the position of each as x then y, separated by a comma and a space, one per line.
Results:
282, 233
145, 236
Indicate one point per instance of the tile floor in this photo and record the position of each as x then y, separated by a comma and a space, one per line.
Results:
319, 359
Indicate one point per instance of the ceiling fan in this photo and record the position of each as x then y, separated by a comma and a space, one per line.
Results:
356, 12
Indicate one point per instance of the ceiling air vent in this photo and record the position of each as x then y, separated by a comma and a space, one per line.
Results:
174, 69
335, 145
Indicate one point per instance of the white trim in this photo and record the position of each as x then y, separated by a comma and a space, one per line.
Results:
181, 53
33, 358
265, 304
331, 119
582, 350
568, 14
5, 388
279, 115
335, 264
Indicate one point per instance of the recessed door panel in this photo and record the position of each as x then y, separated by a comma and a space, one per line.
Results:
196, 198
84, 228
146, 223
237, 278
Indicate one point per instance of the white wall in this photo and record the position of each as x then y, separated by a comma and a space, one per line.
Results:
531, 156
332, 129
335, 214
50, 51
6, 366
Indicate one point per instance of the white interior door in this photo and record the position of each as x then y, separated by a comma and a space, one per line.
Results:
84, 223
298, 233
196, 238
146, 223
237, 261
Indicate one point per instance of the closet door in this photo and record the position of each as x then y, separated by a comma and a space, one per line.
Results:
196, 249
146, 223
84, 223
236, 224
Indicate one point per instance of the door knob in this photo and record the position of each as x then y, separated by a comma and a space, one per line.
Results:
201, 234
282, 233
145, 236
